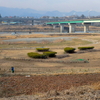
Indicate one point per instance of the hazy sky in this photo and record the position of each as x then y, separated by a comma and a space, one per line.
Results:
50, 5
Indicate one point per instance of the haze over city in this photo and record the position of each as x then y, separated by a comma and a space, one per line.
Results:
51, 5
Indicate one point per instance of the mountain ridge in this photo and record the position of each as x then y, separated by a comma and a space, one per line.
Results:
5, 11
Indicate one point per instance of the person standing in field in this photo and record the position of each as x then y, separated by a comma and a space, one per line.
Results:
12, 69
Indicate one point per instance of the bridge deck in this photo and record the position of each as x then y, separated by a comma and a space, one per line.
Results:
75, 21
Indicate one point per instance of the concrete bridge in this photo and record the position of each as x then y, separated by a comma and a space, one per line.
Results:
73, 23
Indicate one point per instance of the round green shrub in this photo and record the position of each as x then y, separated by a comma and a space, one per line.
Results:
42, 49
50, 53
85, 48
69, 49
36, 55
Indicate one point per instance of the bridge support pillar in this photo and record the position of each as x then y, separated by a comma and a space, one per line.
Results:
71, 27
54, 26
61, 28
32, 22
86, 27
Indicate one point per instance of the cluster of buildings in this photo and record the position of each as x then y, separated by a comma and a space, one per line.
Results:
16, 20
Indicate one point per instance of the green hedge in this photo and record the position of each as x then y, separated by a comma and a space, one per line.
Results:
50, 53
42, 49
85, 48
31, 54
36, 55
69, 49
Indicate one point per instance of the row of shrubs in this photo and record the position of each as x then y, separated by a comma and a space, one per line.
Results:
46, 53
43, 56
71, 50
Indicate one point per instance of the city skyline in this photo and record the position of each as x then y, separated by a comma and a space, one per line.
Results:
51, 5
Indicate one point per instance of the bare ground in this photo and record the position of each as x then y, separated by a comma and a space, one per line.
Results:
60, 87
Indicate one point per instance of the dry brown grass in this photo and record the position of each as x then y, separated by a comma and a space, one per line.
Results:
25, 67
96, 86
23, 36
45, 68
25, 28
53, 68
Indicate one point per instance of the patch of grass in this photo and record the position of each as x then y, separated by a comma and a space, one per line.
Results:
43, 44
72, 42
79, 42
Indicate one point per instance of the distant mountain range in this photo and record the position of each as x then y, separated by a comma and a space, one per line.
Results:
4, 11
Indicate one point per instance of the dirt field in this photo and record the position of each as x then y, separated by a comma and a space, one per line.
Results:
36, 76
33, 85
